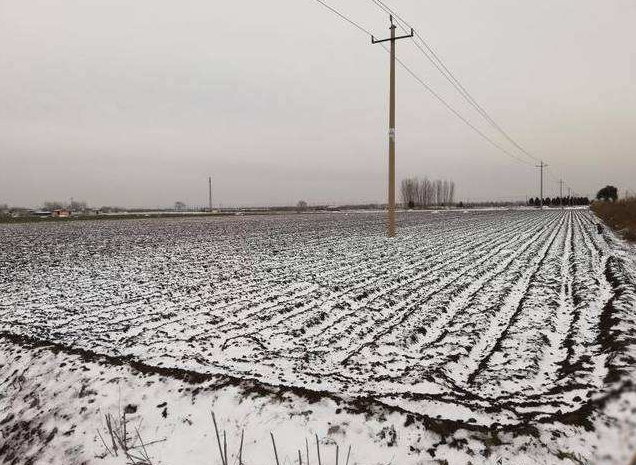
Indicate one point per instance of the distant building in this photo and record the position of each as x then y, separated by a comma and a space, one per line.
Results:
61, 213
41, 213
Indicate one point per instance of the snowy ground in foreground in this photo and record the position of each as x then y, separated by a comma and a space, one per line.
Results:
519, 322
53, 405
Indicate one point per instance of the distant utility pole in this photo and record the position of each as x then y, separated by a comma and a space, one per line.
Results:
541, 166
391, 203
569, 197
561, 192
210, 192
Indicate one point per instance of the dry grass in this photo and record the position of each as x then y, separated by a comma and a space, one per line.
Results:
221, 440
118, 439
620, 215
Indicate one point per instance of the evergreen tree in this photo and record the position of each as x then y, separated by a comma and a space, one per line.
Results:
607, 193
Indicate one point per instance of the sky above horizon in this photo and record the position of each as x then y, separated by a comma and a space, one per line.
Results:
136, 103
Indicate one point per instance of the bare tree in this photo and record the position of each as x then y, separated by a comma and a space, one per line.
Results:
404, 192
301, 206
407, 192
445, 192
179, 206
76, 206
423, 192
430, 193
417, 187
438, 192
51, 205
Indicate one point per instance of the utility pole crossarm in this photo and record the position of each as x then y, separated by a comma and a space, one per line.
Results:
374, 41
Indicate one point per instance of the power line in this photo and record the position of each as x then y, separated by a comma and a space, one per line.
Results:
346, 18
456, 113
557, 179
450, 77
426, 86
434, 58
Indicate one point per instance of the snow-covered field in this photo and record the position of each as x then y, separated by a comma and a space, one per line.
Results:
520, 322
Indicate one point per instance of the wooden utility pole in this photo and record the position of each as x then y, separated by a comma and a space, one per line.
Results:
391, 196
541, 166
210, 193
561, 192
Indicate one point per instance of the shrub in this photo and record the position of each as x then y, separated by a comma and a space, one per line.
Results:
619, 215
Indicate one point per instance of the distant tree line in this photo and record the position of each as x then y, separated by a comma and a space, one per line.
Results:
111, 209
73, 205
79, 207
417, 192
558, 201
491, 204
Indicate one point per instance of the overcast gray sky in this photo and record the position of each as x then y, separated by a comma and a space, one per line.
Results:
135, 103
